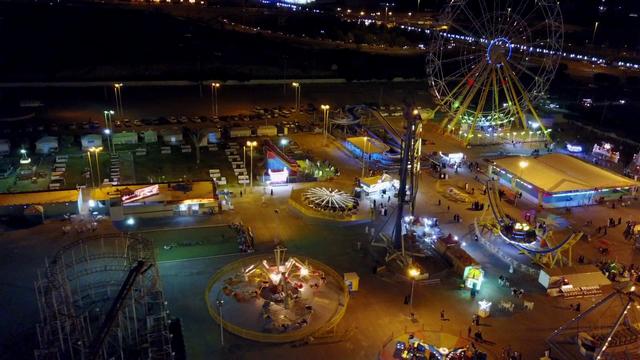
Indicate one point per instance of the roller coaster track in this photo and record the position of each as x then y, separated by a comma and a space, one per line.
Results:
548, 254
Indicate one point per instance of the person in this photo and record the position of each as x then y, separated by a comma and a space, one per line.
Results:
439, 202
577, 308
271, 192
442, 314
469, 332
240, 193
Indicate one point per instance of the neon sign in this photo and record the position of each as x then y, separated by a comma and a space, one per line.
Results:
574, 148
141, 193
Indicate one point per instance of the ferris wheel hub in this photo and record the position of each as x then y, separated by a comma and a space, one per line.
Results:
499, 51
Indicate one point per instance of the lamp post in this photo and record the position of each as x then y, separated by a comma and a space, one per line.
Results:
117, 88
107, 132
251, 144
364, 153
214, 98
24, 159
522, 164
413, 273
93, 183
297, 88
284, 142
108, 114
325, 121
96, 150
220, 302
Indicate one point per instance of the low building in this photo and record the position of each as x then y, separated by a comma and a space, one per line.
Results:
150, 136
5, 147
240, 131
267, 130
47, 145
559, 180
163, 200
90, 140
172, 137
363, 145
125, 138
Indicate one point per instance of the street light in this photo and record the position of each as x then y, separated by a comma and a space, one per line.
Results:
413, 274
284, 142
251, 144
220, 302
522, 164
24, 159
297, 88
325, 121
365, 146
96, 150
117, 88
214, 98
108, 114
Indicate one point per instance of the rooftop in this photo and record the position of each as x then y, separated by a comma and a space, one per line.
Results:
555, 173
373, 146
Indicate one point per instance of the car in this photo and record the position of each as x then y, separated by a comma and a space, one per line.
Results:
72, 126
94, 125
53, 127
196, 120
84, 125
145, 121
173, 120
137, 122
118, 123
40, 127
183, 120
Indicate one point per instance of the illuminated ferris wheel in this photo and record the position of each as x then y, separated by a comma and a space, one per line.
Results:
491, 60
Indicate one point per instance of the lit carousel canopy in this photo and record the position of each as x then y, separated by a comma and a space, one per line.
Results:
329, 199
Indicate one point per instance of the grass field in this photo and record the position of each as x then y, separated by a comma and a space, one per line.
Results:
193, 243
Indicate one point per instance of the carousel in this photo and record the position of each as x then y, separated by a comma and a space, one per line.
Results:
276, 298
332, 201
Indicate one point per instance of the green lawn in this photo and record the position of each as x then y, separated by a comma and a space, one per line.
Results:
193, 243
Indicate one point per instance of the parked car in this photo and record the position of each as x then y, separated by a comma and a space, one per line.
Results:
173, 120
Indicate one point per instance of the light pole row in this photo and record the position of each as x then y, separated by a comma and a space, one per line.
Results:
117, 89
108, 129
297, 89
325, 121
214, 98
96, 151
251, 145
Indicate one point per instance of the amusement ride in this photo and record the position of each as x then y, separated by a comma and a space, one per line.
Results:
488, 64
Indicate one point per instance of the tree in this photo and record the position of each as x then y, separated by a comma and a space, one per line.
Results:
196, 136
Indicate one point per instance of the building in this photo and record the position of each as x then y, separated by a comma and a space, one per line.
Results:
47, 144
559, 180
5, 147
90, 140
125, 137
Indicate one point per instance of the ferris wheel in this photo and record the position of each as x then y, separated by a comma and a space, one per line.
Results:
489, 61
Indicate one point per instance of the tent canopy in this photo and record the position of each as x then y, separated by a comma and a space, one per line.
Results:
555, 173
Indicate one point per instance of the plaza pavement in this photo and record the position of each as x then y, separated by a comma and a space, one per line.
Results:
375, 314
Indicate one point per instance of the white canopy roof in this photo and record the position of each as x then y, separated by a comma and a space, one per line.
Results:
556, 173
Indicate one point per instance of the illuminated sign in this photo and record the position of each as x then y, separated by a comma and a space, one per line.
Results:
141, 193
278, 177
574, 148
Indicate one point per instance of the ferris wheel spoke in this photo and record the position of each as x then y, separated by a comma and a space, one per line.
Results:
527, 71
482, 32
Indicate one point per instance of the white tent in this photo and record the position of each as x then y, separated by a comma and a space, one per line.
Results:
5, 146
172, 137
150, 136
90, 140
125, 137
47, 144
